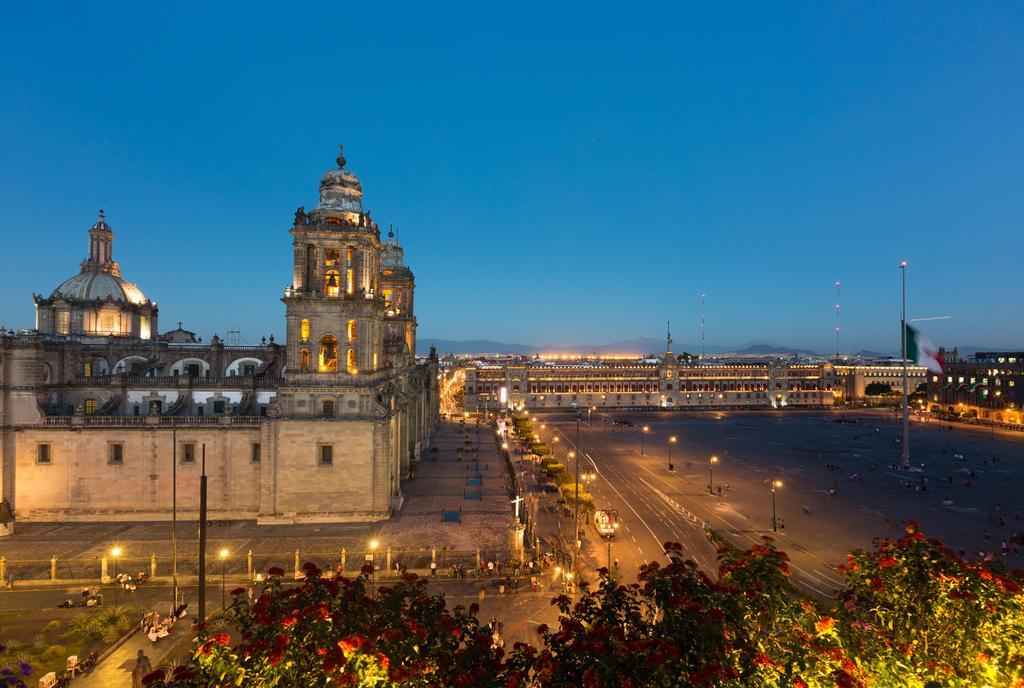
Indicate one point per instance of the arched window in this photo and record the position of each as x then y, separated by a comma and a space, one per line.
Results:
331, 284
304, 331
351, 331
304, 359
328, 354
352, 367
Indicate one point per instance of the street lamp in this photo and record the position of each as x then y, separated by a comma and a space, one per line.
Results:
223, 554
671, 441
644, 432
775, 522
374, 544
116, 552
711, 473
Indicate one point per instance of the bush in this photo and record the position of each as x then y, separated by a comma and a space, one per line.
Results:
52, 626
108, 624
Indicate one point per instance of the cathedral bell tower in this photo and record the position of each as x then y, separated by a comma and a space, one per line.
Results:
335, 310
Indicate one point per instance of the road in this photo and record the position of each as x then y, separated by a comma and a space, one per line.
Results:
871, 498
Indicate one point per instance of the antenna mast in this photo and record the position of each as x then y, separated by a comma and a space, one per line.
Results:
702, 327
837, 320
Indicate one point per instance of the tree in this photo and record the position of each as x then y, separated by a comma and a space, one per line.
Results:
874, 389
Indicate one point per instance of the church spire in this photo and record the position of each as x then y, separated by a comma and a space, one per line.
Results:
341, 156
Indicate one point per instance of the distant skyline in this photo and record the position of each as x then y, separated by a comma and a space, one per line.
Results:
561, 175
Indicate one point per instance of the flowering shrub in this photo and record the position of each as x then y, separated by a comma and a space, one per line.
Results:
911, 612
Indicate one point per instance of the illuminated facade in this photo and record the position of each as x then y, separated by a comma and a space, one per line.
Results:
320, 429
988, 387
647, 383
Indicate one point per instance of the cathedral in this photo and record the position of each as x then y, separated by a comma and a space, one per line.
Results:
99, 409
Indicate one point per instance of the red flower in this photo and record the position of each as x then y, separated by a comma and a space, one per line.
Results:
222, 639
289, 621
886, 562
350, 644
825, 624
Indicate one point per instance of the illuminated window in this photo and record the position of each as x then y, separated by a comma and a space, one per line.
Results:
331, 283
89, 407
304, 331
304, 359
351, 330
63, 322
328, 354
388, 294
375, 360
349, 271
351, 363
144, 331
332, 257
88, 370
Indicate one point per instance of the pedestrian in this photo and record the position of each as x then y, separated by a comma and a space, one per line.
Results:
142, 669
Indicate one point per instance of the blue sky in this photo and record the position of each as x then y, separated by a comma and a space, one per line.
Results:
557, 173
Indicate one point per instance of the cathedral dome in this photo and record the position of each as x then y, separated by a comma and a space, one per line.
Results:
340, 189
89, 286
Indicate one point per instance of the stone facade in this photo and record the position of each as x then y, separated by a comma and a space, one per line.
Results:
95, 422
665, 382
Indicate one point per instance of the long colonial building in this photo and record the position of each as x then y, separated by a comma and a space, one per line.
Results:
666, 382
95, 404
989, 386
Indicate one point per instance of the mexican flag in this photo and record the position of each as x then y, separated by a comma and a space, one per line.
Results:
923, 352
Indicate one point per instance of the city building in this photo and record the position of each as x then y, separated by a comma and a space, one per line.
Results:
667, 381
989, 386
322, 428
662, 382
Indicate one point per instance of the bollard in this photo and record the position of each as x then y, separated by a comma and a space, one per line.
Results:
3, 569
53, 569
343, 560
248, 565
104, 579
152, 565
388, 567
296, 564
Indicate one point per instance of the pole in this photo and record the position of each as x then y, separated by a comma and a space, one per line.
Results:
117, 583
223, 583
202, 540
905, 454
609, 556
711, 477
174, 511
577, 528
670, 467
775, 521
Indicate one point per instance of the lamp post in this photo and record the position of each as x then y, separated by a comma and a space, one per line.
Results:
374, 544
776, 483
671, 441
116, 552
223, 554
711, 473
642, 434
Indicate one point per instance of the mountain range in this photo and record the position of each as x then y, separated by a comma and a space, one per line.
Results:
638, 347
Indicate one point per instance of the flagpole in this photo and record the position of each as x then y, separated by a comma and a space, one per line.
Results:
905, 456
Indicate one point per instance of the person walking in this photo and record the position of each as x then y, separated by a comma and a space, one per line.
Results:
142, 669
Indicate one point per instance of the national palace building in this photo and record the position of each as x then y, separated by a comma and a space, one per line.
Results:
318, 428
666, 382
